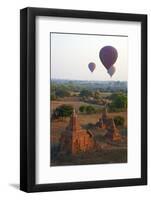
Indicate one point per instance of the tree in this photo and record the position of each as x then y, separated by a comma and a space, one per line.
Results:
90, 110
62, 111
60, 92
119, 102
82, 108
86, 93
119, 121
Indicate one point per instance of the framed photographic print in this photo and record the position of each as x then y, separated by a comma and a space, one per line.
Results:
83, 95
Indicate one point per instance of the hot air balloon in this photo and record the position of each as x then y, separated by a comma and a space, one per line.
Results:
111, 71
108, 56
91, 66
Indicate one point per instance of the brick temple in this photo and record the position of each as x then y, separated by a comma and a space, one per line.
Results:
105, 122
75, 139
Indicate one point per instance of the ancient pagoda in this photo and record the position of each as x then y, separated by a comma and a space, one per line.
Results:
103, 120
107, 123
112, 132
75, 139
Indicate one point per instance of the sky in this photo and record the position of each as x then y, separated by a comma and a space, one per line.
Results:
71, 54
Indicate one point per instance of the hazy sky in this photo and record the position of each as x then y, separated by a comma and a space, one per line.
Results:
71, 54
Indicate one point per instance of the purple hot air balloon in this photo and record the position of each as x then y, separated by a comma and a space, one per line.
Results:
91, 66
108, 56
111, 70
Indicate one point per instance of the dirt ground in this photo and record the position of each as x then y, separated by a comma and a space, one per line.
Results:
102, 157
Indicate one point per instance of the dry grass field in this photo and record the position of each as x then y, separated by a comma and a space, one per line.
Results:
75, 102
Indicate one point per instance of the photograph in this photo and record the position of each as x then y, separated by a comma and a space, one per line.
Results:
88, 99
83, 99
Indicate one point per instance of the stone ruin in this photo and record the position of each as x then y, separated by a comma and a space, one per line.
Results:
103, 121
112, 132
75, 139
107, 123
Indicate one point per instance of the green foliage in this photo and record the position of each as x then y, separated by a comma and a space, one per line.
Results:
62, 93
59, 91
119, 102
62, 111
86, 93
82, 108
90, 110
87, 109
119, 121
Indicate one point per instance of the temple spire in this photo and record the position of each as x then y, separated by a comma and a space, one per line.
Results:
74, 112
113, 124
74, 124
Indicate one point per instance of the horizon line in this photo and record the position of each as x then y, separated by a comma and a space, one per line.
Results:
87, 80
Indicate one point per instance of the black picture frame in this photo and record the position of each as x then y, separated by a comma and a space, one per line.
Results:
28, 99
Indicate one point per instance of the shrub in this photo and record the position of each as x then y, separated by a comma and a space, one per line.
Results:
62, 111
119, 102
86, 93
82, 108
62, 93
119, 121
90, 110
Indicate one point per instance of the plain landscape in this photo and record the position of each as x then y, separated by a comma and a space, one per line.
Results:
89, 99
